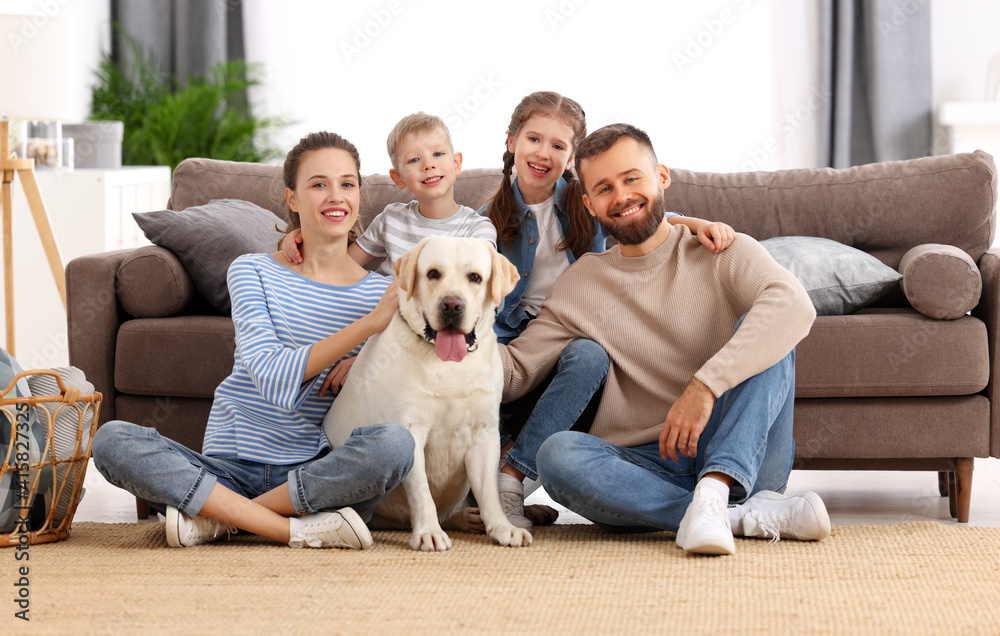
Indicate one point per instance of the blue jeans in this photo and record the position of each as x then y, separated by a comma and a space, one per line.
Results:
625, 489
579, 373
359, 474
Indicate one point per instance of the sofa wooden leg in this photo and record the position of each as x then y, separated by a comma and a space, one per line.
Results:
141, 509
952, 495
943, 483
963, 488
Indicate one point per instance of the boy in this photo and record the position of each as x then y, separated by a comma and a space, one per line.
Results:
425, 163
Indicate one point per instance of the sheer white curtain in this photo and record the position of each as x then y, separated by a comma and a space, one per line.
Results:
719, 85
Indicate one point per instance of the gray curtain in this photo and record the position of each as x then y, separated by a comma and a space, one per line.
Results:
875, 58
186, 36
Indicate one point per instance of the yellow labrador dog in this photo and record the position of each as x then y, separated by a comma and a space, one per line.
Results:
436, 370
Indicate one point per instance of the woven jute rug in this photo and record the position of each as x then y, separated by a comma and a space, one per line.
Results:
915, 578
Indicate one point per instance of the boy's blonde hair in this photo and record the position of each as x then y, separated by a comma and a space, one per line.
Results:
417, 122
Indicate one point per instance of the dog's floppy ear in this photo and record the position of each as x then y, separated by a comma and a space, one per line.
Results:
503, 277
405, 269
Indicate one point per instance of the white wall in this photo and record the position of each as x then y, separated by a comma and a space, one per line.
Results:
964, 40
719, 85
90, 35
965, 36
750, 84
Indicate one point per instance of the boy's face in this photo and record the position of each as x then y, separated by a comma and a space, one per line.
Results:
427, 165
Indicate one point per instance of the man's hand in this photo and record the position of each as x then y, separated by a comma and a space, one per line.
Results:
334, 380
686, 420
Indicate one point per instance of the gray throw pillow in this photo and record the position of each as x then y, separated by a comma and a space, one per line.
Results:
838, 278
208, 238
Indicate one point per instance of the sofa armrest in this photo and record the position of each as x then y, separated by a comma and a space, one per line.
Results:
988, 311
93, 316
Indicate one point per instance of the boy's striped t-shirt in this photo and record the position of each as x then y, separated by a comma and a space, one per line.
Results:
263, 411
400, 226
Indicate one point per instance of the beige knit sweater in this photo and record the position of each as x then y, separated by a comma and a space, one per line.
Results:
664, 318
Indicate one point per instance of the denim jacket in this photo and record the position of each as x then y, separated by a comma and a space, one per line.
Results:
511, 318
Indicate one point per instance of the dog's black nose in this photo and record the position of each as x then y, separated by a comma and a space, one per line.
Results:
451, 307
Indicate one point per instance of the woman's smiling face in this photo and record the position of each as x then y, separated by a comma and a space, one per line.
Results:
327, 196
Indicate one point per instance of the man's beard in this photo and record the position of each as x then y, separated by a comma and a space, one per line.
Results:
634, 232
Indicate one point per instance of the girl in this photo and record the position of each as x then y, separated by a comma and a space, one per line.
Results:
266, 460
543, 227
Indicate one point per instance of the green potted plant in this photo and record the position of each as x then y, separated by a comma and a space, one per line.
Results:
167, 120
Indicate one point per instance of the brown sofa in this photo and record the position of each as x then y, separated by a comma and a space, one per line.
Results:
886, 387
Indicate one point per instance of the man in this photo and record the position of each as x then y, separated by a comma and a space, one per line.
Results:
697, 408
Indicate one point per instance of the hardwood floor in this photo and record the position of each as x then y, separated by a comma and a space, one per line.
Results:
851, 497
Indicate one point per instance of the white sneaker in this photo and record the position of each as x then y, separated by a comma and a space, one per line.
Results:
341, 529
184, 532
512, 500
705, 527
771, 515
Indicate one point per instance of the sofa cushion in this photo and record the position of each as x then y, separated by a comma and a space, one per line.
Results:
152, 283
182, 356
892, 427
941, 281
197, 181
891, 352
883, 209
208, 238
839, 279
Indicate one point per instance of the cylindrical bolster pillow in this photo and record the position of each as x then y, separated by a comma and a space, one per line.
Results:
152, 283
940, 281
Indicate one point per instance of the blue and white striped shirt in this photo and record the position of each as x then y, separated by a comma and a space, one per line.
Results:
263, 412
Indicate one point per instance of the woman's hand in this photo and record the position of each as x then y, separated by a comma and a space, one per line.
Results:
335, 379
290, 246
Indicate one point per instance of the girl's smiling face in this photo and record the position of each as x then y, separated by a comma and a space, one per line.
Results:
543, 150
326, 196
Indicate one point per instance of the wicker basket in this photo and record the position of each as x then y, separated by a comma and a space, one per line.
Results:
66, 473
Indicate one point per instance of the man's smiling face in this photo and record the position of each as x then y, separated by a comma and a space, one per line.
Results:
623, 189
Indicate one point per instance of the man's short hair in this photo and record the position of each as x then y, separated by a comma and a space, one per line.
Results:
602, 139
417, 122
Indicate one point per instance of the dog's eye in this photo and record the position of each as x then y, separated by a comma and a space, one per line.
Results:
475, 278
433, 274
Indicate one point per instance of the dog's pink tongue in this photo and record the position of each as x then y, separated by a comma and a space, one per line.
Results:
450, 345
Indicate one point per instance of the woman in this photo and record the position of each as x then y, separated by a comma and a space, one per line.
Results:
265, 459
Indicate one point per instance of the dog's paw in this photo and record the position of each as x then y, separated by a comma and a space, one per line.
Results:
541, 515
435, 541
511, 537
466, 520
